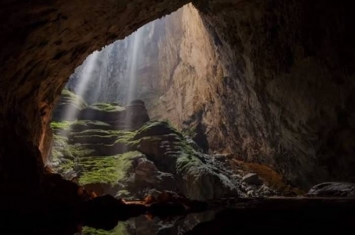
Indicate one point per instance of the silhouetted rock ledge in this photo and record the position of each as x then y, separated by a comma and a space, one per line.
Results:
332, 189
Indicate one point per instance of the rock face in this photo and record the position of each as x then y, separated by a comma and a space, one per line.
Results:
285, 101
332, 189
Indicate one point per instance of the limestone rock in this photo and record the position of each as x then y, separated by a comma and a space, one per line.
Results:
253, 179
68, 107
131, 117
171, 153
332, 189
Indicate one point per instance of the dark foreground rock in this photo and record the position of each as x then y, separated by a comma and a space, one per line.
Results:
332, 189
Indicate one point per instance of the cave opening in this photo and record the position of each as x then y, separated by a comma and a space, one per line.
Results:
129, 121
251, 99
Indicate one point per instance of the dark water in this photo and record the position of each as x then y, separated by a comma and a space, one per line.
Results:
241, 216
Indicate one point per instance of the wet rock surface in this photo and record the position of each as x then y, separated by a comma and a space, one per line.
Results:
332, 189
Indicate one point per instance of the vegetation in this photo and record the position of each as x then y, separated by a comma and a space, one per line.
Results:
65, 125
120, 229
187, 161
87, 146
70, 97
190, 132
156, 128
108, 107
109, 170
82, 125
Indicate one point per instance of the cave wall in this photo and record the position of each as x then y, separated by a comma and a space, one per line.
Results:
267, 81
288, 99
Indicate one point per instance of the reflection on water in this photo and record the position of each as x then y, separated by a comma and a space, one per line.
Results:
143, 225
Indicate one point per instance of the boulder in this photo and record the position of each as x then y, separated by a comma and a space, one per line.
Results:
252, 179
332, 189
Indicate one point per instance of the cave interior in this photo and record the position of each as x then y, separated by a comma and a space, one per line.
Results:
211, 117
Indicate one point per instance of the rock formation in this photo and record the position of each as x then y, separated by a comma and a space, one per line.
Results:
113, 150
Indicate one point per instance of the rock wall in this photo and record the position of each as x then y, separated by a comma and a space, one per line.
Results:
288, 98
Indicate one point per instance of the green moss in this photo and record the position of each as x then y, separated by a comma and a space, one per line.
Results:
82, 125
65, 125
100, 132
108, 107
108, 170
68, 96
153, 128
79, 151
120, 229
60, 141
186, 161
127, 138
190, 132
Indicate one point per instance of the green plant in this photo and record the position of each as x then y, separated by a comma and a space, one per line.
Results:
108, 107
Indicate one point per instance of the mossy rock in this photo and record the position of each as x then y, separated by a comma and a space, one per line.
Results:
108, 170
68, 106
104, 112
122, 228
107, 137
156, 128
100, 149
83, 125
81, 138
107, 107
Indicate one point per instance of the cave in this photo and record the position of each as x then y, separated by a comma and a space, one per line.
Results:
266, 87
